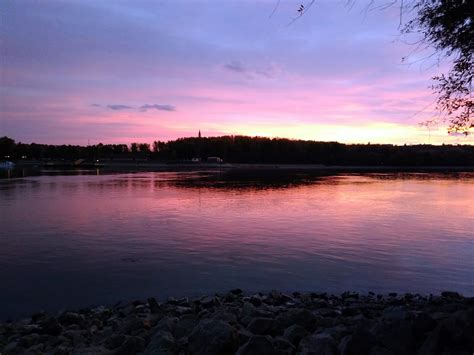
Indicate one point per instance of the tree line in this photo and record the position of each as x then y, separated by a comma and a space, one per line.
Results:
256, 150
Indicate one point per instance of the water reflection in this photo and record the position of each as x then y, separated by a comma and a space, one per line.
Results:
85, 239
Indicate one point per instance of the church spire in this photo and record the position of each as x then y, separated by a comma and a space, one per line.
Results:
199, 135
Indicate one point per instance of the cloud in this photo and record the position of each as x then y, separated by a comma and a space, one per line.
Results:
157, 107
96, 105
118, 107
268, 71
235, 66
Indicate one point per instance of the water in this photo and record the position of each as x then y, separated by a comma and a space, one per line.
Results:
79, 240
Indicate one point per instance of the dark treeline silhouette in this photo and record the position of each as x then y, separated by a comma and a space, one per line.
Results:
242, 149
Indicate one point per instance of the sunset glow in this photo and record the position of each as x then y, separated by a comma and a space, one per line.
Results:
117, 72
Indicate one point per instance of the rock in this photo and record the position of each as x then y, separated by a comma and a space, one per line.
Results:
153, 304
51, 326
244, 336
261, 326
162, 343
28, 340
360, 342
320, 344
283, 345
299, 316
255, 300
70, 318
295, 333
213, 337
185, 326
398, 336
395, 313
115, 341
449, 294
209, 301
258, 344
90, 350
422, 324
167, 324
236, 291
35, 350
225, 316
131, 345
247, 312
11, 348
132, 324
77, 336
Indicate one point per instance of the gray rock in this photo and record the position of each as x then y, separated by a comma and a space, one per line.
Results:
225, 316
167, 324
115, 341
28, 340
162, 343
299, 316
51, 326
154, 306
131, 345
295, 333
261, 326
258, 344
320, 344
283, 345
247, 312
209, 301
359, 342
185, 326
90, 350
213, 337
395, 313
70, 318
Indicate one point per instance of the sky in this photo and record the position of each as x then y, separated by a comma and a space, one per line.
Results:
90, 71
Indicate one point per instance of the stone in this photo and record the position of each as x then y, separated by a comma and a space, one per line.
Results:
450, 294
247, 312
167, 324
209, 301
184, 327
131, 345
153, 304
360, 342
395, 313
321, 344
258, 344
261, 326
283, 345
299, 316
422, 324
295, 333
162, 343
70, 318
255, 300
51, 326
90, 350
28, 340
115, 341
213, 337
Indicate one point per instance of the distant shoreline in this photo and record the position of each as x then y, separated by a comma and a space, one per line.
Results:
242, 166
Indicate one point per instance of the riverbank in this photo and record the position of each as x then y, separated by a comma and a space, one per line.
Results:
273, 323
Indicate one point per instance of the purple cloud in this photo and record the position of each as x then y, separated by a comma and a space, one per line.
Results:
158, 107
118, 107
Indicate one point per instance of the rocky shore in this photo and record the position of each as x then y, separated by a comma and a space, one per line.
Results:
273, 323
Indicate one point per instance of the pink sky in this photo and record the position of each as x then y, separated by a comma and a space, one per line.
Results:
123, 71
